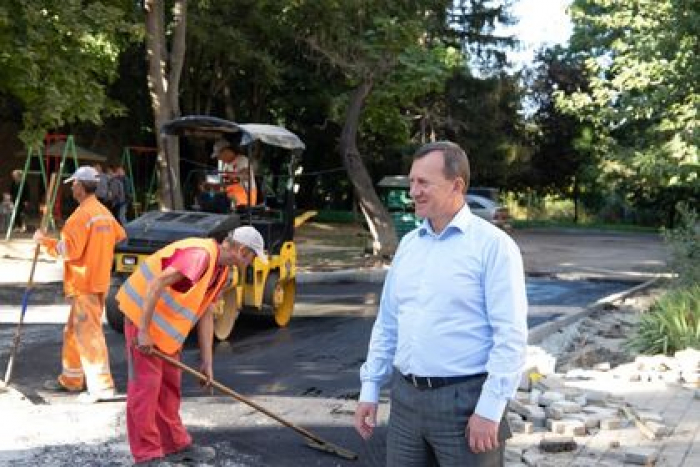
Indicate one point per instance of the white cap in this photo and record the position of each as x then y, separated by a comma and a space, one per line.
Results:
251, 238
84, 174
219, 144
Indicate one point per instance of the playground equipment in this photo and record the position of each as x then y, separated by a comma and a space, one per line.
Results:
47, 157
140, 172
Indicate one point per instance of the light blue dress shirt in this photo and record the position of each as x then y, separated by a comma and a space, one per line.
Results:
453, 304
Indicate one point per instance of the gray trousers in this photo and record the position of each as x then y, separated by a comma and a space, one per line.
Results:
428, 427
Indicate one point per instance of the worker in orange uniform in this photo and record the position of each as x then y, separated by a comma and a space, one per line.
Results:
86, 245
164, 298
236, 173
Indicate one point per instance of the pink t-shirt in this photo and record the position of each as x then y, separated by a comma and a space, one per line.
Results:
192, 263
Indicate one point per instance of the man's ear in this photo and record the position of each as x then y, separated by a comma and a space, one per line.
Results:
459, 184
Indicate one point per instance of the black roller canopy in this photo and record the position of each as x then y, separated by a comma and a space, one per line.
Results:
205, 126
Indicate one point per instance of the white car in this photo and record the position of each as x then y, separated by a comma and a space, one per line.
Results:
489, 210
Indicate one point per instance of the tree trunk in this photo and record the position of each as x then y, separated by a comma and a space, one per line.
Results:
380, 224
577, 197
229, 110
164, 89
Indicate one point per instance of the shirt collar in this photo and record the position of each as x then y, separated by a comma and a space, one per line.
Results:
460, 222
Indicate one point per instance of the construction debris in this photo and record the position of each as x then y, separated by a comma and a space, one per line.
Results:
566, 399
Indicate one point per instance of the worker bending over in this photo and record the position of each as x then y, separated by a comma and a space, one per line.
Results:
164, 298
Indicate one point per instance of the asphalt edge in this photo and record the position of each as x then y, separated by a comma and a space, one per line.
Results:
539, 332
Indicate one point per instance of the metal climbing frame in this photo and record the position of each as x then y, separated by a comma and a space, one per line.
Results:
37, 152
149, 187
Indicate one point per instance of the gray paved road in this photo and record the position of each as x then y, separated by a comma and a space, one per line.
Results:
307, 372
321, 308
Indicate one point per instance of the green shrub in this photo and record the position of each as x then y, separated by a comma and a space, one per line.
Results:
684, 242
672, 323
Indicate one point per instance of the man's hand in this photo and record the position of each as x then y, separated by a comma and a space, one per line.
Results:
38, 236
365, 419
482, 434
207, 370
144, 343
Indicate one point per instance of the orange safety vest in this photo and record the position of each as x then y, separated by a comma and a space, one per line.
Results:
176, 313
237, 191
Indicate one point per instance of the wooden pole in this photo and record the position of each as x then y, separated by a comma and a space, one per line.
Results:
30, 283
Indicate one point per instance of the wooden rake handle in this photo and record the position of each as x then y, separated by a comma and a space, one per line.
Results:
42, 226
28, 288
316, 441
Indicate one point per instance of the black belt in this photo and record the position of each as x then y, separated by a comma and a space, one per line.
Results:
434, 382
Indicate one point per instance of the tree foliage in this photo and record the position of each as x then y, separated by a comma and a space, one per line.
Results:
57, 59
643, 97
235, 58
378, 49
564, 156
481, 114
474, 23
374, 78
395, 59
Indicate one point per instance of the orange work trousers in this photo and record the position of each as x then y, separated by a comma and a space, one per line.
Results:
85, 358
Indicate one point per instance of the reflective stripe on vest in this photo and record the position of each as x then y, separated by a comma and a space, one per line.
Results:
169, 300
97, 218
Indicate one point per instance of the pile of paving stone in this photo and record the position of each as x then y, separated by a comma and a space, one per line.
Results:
682, 368
550, 405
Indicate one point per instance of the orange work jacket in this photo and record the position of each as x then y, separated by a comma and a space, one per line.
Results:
176, 313
87, 248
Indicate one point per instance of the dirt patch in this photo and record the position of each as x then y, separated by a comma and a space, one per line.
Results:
600, 338
331, 247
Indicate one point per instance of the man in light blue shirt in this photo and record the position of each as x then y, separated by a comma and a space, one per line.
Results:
452, 327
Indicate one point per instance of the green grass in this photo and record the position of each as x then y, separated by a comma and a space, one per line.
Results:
672, 324
559, 224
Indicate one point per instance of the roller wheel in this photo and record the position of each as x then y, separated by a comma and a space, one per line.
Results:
225, 315
278, 298
115, 317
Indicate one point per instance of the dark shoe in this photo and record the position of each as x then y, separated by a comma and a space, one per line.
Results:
193, 453
56, 386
